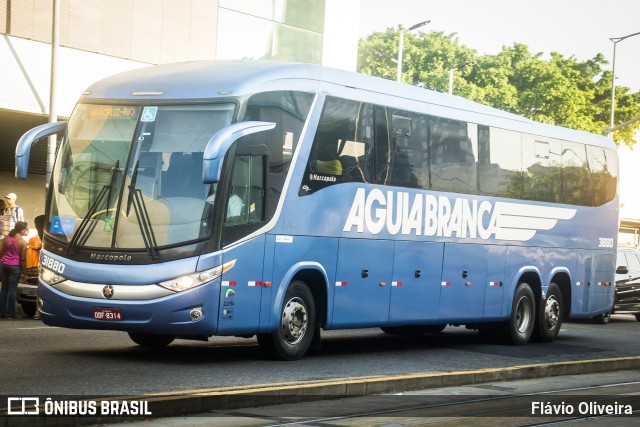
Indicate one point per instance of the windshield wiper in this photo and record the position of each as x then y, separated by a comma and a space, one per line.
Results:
140, 208
85, 228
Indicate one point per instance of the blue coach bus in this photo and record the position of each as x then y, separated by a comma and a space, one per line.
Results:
261, 198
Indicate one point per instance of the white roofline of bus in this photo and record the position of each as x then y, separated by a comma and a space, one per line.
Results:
202, 80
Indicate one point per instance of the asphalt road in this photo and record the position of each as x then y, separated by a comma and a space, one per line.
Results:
40, 360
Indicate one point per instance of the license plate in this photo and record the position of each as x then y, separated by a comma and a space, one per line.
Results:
32, 292
107, 313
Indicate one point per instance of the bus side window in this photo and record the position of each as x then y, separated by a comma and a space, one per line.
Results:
500, 162
408, 166
453, 156
542, 169
576, 177
246, 207
342, 147
604, 174
289, 110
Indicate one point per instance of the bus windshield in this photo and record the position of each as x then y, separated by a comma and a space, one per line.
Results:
130, 177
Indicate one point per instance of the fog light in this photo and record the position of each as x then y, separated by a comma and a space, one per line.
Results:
40, 304
196, 314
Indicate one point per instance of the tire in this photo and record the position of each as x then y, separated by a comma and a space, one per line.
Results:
297, 325
602, 319
28, 308
638, 317
518, 329
549, 317
151, 340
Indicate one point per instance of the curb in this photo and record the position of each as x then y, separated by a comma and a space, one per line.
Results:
196, 401
186, 402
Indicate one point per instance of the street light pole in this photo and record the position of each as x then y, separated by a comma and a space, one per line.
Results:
401, 46
615, 41
451, 71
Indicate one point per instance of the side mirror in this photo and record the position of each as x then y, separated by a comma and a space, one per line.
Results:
220, 143
622, 269
23, 149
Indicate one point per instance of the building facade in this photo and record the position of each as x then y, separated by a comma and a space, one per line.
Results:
98, 39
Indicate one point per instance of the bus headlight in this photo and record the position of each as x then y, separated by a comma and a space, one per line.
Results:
183, 283
50, 277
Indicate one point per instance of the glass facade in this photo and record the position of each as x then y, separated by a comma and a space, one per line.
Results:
155, 31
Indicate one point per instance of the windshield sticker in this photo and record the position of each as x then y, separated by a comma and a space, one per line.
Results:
62, 225
149, 114
108, 112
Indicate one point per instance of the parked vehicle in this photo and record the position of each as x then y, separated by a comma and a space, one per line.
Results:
27, 291
627, 289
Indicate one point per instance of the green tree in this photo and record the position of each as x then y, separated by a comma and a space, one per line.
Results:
559, 90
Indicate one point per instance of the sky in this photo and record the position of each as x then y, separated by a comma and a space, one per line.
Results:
580, 28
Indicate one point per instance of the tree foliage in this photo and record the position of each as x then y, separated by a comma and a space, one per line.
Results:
558, 90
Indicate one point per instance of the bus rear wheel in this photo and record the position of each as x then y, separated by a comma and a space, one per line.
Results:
549, 318
151, 340
297, 325
518, 329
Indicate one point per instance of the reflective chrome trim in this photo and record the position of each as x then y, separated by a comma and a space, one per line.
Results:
120, 292
146, 93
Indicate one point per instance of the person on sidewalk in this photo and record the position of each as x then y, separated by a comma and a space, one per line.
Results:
10, 215
13, 257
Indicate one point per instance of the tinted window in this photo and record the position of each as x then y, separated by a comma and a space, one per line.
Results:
342, 149
289, 111
542, 169
358, 142
604, 174
453, 156
410, 164
576, 178
500, 162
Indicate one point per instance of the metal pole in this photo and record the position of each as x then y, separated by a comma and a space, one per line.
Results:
400, 47
613, 89
451, 71
615, 41
53, 115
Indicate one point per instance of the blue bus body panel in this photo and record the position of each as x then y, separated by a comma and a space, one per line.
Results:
363, 283
243, 288
415, 288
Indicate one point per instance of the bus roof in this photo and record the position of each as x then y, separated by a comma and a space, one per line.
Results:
199, 80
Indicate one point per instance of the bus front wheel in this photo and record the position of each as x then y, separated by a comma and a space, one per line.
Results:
297, 325
519, 327
151, 340
549, 318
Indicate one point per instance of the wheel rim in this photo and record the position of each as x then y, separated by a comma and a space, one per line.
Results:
551, 312
294, 320
523, 315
